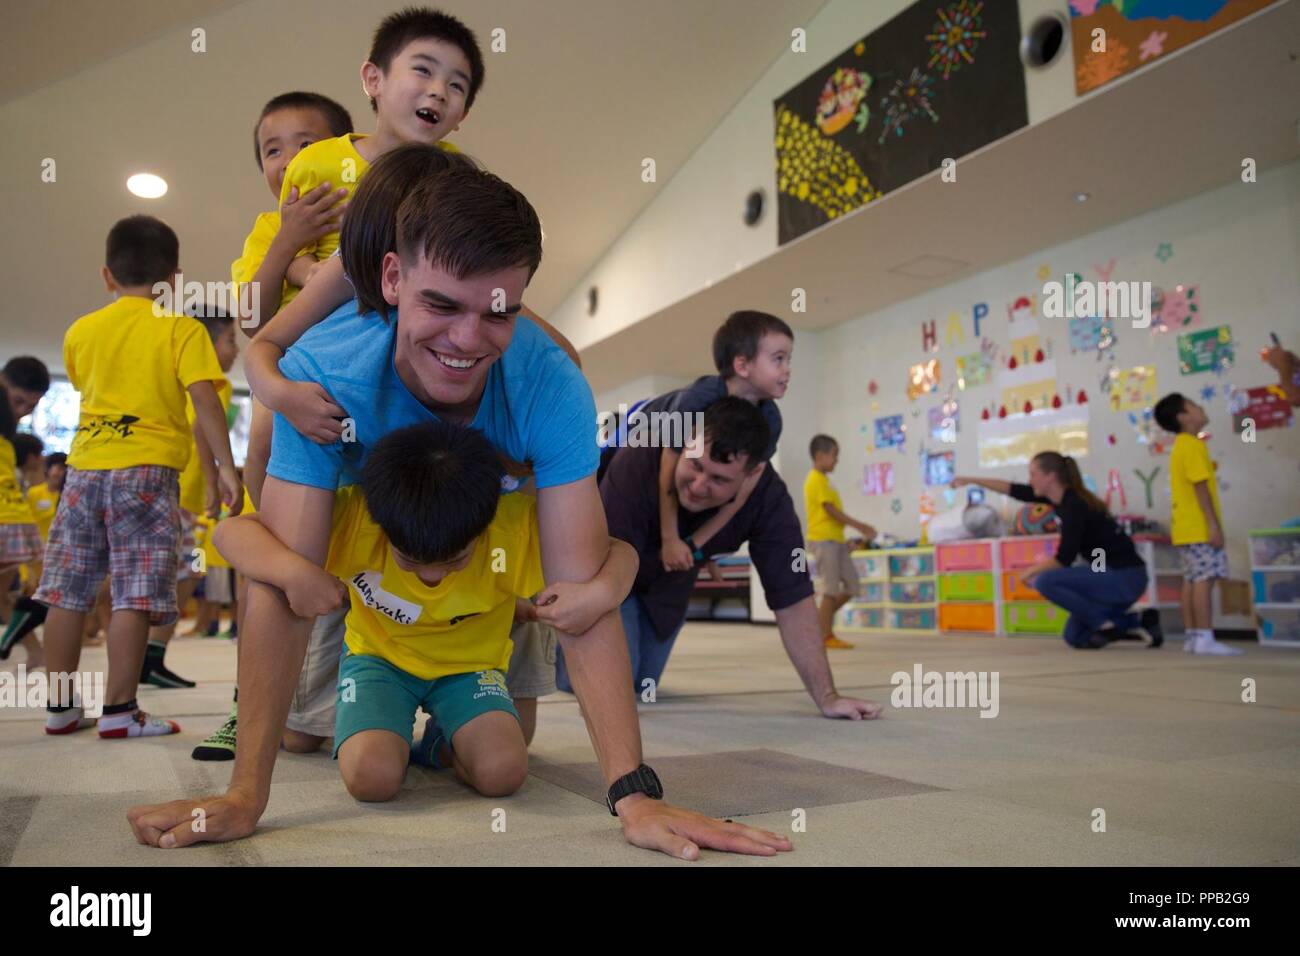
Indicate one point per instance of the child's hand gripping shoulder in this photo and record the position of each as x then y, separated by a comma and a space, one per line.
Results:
307, 405
573, 608
258, 554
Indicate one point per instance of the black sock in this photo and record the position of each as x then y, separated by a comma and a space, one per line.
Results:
154, 654
128, 707
53, 709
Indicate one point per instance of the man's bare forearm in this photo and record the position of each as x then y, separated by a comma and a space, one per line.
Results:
804, 644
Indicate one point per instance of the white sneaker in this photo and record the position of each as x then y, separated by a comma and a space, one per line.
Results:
1189, 644
1208, 645
68, 721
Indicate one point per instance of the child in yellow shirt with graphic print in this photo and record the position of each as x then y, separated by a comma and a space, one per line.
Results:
20, 541
118, 516
434, 558
1196, 528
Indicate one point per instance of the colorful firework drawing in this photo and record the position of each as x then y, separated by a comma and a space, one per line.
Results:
956, 35
906, 100
838, 103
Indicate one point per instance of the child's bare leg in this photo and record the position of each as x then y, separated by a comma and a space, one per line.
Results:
489, 754
63, 630
1185, 605
373, 764
296, 742
1200, 600
128, 633
163, 633
259, 451
527, 708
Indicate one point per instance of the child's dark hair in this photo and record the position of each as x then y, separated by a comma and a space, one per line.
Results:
432, 488
733, 426
142, 250
421, 23
55, 458
27, 446
28, 373
470, 223
1167, 411
213, 317
336, 117
8, 423
740, 335
370, 228
821, 444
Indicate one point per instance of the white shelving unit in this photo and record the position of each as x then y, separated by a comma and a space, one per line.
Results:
1275, 585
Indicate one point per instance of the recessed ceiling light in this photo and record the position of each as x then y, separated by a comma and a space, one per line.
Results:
147, 185
1082, 197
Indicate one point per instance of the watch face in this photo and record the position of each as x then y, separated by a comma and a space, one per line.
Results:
651, 780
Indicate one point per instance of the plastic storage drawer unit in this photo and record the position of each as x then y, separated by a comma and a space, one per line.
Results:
871, 592
871, 565
1022, 552
966, 586
912, 618
863, 618
907, 564
964, 556
911, 592
1013, 589
1276, 587
1275, 547
1279, 625
967, 617
1034, 618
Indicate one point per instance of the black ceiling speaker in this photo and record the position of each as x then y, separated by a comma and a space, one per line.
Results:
592, 300
1043, 41
754, 207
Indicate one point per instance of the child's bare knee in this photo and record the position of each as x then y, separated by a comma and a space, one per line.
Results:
372, 779
500, 775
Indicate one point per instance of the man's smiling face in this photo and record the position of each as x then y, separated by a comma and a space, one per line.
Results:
449, 330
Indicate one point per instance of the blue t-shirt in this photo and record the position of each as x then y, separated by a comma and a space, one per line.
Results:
536, 406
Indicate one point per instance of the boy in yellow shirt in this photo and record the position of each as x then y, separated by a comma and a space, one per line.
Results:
437, 563
836, 578
20, 542
44, 497
133, 365
1196, 528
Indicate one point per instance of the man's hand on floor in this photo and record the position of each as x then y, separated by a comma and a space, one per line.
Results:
655, 825
850, 708
176, 824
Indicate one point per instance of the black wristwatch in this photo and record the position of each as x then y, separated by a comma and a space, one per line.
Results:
640, 780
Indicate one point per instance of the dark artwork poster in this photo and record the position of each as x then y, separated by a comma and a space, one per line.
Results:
937, 82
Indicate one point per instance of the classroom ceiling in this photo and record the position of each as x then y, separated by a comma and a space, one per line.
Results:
583, 92
1152, 139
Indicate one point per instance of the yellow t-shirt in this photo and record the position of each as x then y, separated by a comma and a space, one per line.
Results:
337, 162
1189, 464
256, 246
203, 527
818, 490
132, 369
193, 487
460, 626
44, 503
14, 508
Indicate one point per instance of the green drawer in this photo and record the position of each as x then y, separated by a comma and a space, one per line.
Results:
966, 586
1034, 617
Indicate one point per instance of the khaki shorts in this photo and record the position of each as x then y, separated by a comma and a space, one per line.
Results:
312, 708
532, 664
835, 574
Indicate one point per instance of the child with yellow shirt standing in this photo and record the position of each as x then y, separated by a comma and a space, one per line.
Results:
1197, 524
20, 541
836, 579
436, 561
133, 367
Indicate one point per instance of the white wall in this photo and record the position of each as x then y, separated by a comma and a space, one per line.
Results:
1239, 244
693, 232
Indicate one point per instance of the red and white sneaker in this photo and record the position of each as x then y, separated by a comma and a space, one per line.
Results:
136, 724
68, 721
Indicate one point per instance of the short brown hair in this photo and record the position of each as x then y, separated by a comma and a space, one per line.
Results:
370, 228
470, 223
741, 335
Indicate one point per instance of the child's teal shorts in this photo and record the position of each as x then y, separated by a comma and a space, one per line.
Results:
375, 695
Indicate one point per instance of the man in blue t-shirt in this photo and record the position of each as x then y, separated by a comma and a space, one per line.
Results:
468, 244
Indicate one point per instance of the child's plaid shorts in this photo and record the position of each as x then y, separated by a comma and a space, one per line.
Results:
124, 522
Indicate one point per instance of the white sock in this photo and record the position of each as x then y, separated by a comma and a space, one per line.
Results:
135, 723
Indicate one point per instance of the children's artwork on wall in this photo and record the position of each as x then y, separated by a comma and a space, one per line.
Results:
1206, 351
973, 370
1022, 308
927, 509
1014, 439
922, 379
1148, 432
1085, 333
1175, 309
878, 479
944, 421
890, 431
1115, 487
896, 506
1138, 32
1147, 480
1266, 406
1133, 388
940, 79
940, 467
1031, 396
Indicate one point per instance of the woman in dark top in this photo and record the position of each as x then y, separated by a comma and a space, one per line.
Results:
1099, 592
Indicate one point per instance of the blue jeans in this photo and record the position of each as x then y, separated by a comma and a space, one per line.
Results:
1093, 598
649, 654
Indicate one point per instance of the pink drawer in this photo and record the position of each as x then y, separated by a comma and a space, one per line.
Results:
1022, 552
964, 556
